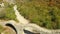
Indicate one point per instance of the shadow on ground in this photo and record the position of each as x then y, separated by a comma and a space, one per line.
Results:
28, 32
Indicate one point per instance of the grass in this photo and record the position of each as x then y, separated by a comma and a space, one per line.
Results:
40, 13
1, 29
8, 13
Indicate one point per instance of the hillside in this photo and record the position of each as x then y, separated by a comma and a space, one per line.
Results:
45, 13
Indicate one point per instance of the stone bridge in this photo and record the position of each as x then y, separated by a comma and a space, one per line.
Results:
18, 29
28, 28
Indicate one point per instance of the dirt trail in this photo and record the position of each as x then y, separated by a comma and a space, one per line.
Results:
19, 17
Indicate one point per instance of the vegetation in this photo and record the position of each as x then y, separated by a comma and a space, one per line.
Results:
7, 13
45, 13
1, 1
1, 29
5, 30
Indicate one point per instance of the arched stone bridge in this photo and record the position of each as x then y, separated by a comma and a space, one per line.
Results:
20, 28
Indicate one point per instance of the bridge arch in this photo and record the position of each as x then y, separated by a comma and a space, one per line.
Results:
10, 25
